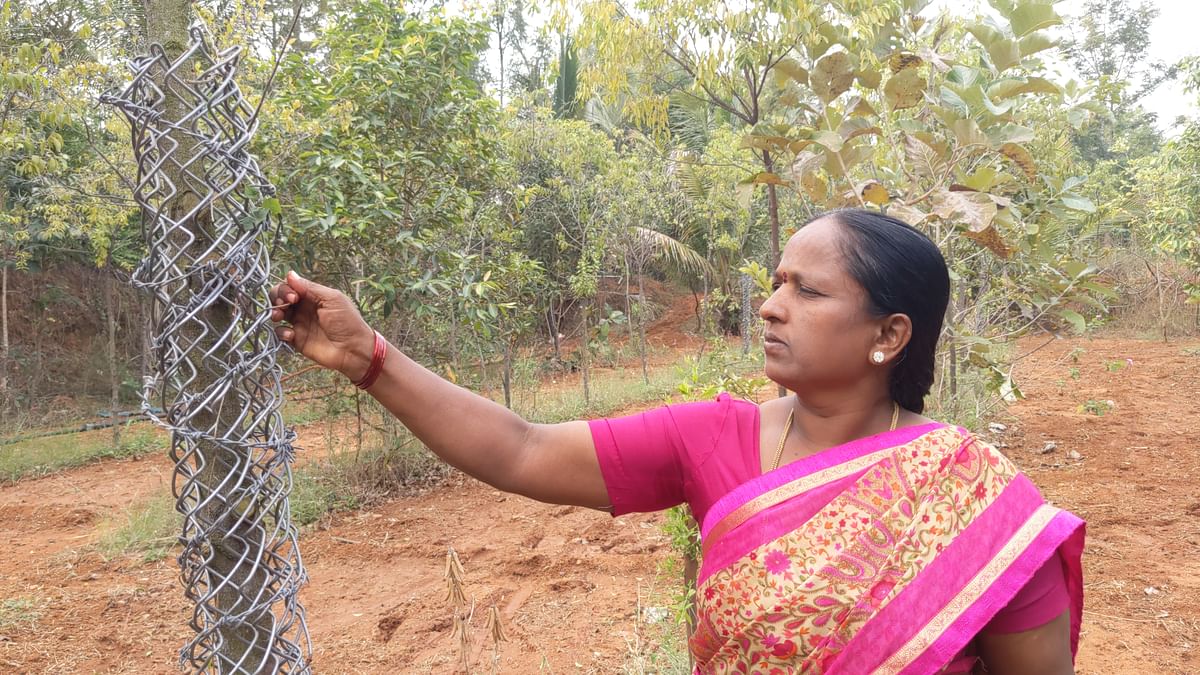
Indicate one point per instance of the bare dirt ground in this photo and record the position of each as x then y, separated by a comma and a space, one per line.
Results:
568, 582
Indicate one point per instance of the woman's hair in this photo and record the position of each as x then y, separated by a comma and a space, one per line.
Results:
903, 272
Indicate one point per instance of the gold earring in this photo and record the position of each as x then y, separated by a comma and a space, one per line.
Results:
877, 357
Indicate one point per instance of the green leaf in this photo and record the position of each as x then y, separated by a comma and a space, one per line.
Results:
982, 179
1015, 86
1077, 269
272, 205
829, 140
1010, 133
765, 142
832, 76
905, 89
1075, 318
962, 76
790, 68
1078, 203
967, 132
952, 100
998, 109
1031, 16
1003, 52
1073, 182
1036, 42
868, 77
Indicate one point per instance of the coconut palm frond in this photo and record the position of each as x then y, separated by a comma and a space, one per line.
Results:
695, 184
674, 251
610, 118
692, 122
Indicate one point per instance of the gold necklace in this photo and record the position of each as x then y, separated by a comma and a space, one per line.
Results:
787, 428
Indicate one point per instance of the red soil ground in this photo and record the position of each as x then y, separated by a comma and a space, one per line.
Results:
569, 582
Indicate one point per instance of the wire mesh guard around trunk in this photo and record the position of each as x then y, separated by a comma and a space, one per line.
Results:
206, 217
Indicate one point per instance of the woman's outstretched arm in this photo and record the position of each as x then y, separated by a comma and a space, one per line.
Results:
549, 462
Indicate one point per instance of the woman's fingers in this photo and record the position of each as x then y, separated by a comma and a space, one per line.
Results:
283, 297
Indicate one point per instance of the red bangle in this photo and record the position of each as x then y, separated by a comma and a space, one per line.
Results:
377, 356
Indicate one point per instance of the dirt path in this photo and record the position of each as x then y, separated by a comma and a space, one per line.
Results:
568, 582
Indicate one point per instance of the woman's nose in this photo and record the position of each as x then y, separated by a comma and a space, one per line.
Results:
769, 309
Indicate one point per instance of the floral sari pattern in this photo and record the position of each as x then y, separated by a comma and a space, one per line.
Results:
873, 530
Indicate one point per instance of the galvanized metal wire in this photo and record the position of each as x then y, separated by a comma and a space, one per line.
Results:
206, 224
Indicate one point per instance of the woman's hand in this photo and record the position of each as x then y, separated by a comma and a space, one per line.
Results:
325, 325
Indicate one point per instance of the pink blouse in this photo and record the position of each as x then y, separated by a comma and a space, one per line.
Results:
695, 453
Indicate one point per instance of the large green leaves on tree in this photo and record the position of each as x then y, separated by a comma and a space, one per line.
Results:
389, 144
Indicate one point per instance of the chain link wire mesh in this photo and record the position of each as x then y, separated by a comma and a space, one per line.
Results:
207, 215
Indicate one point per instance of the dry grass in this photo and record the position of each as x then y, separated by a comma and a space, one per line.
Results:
41, 456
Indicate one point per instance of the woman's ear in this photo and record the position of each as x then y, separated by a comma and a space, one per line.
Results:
895, 330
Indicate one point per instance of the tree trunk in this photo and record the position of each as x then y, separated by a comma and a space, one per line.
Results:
233, 538
114, 376
642, 326
508, 373
772, 209
744, 325
552, 320
585, 353
628, 306
4, 334
500, 48
454, 342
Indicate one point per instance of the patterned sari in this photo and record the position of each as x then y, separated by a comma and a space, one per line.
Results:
885, 555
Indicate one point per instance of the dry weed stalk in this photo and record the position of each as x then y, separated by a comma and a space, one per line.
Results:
456, 595
454, 579
458, 599
495, 628
462, 630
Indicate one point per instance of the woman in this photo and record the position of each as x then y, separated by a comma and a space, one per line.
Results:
843, 532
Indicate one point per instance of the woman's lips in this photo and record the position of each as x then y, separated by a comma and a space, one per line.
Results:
772, 342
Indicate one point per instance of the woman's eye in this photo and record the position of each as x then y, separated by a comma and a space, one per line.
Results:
775, 285
805, 290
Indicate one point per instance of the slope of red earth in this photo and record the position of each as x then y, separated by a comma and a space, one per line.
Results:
568, 582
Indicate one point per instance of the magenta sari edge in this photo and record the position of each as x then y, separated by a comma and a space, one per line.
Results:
822, 460
1064, 530
734, 544
1007, 513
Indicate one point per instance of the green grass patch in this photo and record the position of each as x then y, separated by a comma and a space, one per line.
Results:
147, 529
17, 612
40, 456
609, 391
321, 488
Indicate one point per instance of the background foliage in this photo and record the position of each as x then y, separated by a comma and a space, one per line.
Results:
498, 187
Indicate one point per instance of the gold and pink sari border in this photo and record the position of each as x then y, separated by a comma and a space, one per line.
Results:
984, 579
813, 472
787, 491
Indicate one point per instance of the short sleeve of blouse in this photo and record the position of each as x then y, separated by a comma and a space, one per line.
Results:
1042, 599
647, 458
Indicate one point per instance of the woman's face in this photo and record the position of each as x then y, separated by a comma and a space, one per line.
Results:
819, 334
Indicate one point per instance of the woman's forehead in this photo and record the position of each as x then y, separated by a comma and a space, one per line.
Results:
817, 242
